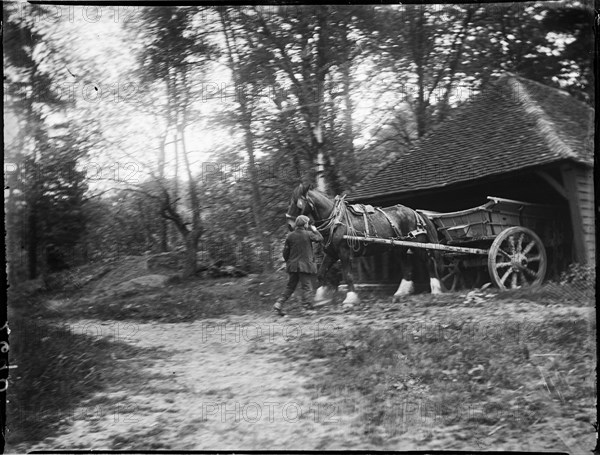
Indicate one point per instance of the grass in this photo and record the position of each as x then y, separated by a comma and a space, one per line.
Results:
183, 302
189, 300
552, 293
458, 374
58, 369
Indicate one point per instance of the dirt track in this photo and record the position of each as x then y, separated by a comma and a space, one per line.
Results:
218, 394
227, 384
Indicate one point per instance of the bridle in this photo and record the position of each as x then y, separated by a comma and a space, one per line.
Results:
302, 203
326, 225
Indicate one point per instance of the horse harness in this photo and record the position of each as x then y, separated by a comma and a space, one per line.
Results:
421, 227
365, 211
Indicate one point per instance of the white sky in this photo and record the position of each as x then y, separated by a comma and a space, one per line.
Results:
98, 41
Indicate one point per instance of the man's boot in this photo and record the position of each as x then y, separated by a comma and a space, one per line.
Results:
277, 307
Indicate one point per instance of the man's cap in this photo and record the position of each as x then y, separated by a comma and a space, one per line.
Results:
302, 220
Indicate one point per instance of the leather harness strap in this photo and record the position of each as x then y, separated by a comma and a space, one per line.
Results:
395, 228
421, 226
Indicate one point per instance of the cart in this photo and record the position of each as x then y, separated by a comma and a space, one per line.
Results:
502, 234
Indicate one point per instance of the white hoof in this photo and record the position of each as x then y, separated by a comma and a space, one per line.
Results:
347, 306
436, 287
321, 294
405, 288
351, 298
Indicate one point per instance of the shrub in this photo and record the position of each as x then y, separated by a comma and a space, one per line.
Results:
579, 274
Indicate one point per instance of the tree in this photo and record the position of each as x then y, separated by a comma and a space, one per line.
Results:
423, 48
168, 60
246, 80
46, 193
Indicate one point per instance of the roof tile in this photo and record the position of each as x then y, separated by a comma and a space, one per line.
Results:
514, 123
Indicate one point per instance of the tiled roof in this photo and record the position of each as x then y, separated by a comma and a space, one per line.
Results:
513, 124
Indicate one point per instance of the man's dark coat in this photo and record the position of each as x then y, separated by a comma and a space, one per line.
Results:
298, 251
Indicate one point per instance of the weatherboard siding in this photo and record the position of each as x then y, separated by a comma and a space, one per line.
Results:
578, 181
584, 184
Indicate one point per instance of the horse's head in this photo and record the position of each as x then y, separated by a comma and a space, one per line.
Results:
300, 204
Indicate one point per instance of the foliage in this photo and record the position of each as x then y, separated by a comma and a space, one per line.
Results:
123, 224
343, 86
579, 274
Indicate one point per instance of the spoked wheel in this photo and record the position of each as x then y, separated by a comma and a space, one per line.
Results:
451, 274
517, 258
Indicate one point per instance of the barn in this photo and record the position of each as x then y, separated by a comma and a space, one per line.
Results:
517, 139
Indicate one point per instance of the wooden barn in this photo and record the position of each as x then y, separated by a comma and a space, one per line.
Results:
517, 139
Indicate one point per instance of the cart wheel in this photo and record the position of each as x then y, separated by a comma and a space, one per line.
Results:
451, 274
517, 258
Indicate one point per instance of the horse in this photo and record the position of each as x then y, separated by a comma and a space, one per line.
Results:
334, 219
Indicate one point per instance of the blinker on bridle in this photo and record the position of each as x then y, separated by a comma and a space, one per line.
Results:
301, 204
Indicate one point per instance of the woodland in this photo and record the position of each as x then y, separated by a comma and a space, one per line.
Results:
141, 130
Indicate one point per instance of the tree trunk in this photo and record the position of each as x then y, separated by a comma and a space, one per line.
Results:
164, 233
346, 81
419, 58
164, 243
246, 122
191, 240
421, 110
32, 243
257, 205
12, 250
191, 249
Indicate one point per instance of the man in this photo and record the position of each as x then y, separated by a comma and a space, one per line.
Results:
298, 255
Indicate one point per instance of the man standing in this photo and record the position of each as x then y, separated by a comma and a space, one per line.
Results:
298, 255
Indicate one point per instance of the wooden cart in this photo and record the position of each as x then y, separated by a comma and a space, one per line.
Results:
503, 234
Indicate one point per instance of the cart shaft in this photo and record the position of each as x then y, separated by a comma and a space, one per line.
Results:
428, 246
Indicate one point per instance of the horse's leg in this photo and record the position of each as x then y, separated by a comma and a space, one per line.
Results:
407, 286
426, 258
346, 259
434, 279
322, 290
431, 257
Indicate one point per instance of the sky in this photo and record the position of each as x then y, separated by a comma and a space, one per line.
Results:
100, 44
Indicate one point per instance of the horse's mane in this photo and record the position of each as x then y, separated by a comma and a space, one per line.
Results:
302, 189
323, 196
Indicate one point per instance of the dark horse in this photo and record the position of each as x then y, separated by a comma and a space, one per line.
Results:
334, 219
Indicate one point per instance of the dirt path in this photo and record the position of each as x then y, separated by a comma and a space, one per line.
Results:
227, 384
212, 392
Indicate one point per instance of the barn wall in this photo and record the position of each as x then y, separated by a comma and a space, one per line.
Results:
579, 185
585, 191
383, 269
